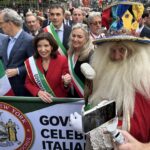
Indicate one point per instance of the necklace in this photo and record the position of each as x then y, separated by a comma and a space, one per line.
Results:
45, 64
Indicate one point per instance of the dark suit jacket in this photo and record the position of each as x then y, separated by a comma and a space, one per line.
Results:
69, 21
45, 23
22, 49
2, 38
67, 31
145, 32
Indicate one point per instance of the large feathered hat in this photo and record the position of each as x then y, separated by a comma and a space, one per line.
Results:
121, 20
122, 14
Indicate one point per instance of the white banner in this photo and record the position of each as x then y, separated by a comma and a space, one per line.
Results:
52, 130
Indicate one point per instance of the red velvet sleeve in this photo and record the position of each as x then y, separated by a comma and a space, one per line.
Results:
140, 121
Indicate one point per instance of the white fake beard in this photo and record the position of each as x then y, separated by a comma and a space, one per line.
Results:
119, 80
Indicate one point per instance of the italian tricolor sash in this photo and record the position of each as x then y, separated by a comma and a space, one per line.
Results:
5, 87
78, 84
37, 76
62, 50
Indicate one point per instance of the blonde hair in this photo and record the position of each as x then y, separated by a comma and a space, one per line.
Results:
84, 52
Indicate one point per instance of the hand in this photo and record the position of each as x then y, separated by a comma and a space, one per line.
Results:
45, 96
11, 72
76, 121
131, 143
66, 79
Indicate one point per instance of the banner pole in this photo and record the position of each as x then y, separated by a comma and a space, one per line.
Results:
37, 99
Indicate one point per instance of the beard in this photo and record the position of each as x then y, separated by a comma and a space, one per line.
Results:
120, 80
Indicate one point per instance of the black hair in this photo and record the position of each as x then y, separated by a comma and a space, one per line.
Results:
46, 36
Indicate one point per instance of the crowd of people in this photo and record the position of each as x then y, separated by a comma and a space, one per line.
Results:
42, 57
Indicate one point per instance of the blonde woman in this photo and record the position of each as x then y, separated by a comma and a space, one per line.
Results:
80, 51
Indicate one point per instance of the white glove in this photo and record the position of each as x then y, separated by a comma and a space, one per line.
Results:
88, 71
76, 121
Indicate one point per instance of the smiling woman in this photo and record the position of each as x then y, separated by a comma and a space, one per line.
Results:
80, 51
48, 74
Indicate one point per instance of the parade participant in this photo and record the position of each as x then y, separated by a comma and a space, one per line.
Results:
47, 71
58, 29
144, 29
95, 25
77, 16
80, 50
16, 48
32, 24
67, 19
122, 71
121, 63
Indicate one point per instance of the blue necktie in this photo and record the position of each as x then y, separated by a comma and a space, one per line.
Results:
10, 46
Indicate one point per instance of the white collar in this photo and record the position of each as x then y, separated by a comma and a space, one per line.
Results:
61, 28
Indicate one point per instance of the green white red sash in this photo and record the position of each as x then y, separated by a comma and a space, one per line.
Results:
37, 76
62, 50
5, 87
78, 84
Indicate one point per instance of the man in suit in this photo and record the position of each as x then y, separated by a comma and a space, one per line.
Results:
144, 30
16, 48
58, 29
67, 19
77, 16
32, 24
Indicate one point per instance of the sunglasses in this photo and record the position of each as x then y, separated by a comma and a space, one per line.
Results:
96, 23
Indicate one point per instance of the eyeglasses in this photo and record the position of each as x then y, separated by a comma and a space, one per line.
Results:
96, 23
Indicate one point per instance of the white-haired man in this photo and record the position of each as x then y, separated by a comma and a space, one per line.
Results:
16, 48
95, 25
121, 63
122, 71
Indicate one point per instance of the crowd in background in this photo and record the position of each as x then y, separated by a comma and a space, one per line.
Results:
42, 52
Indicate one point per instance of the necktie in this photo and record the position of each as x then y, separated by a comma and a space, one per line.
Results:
60, 34
57, 31
10, 46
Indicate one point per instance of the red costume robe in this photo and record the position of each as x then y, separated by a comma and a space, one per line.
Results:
140, 121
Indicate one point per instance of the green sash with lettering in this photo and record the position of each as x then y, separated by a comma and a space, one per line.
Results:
37, 76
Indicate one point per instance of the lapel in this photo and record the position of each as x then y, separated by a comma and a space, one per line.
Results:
16, 46
49, 73
5, 45
66, 34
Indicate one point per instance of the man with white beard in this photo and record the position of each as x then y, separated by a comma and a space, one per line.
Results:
122, 66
